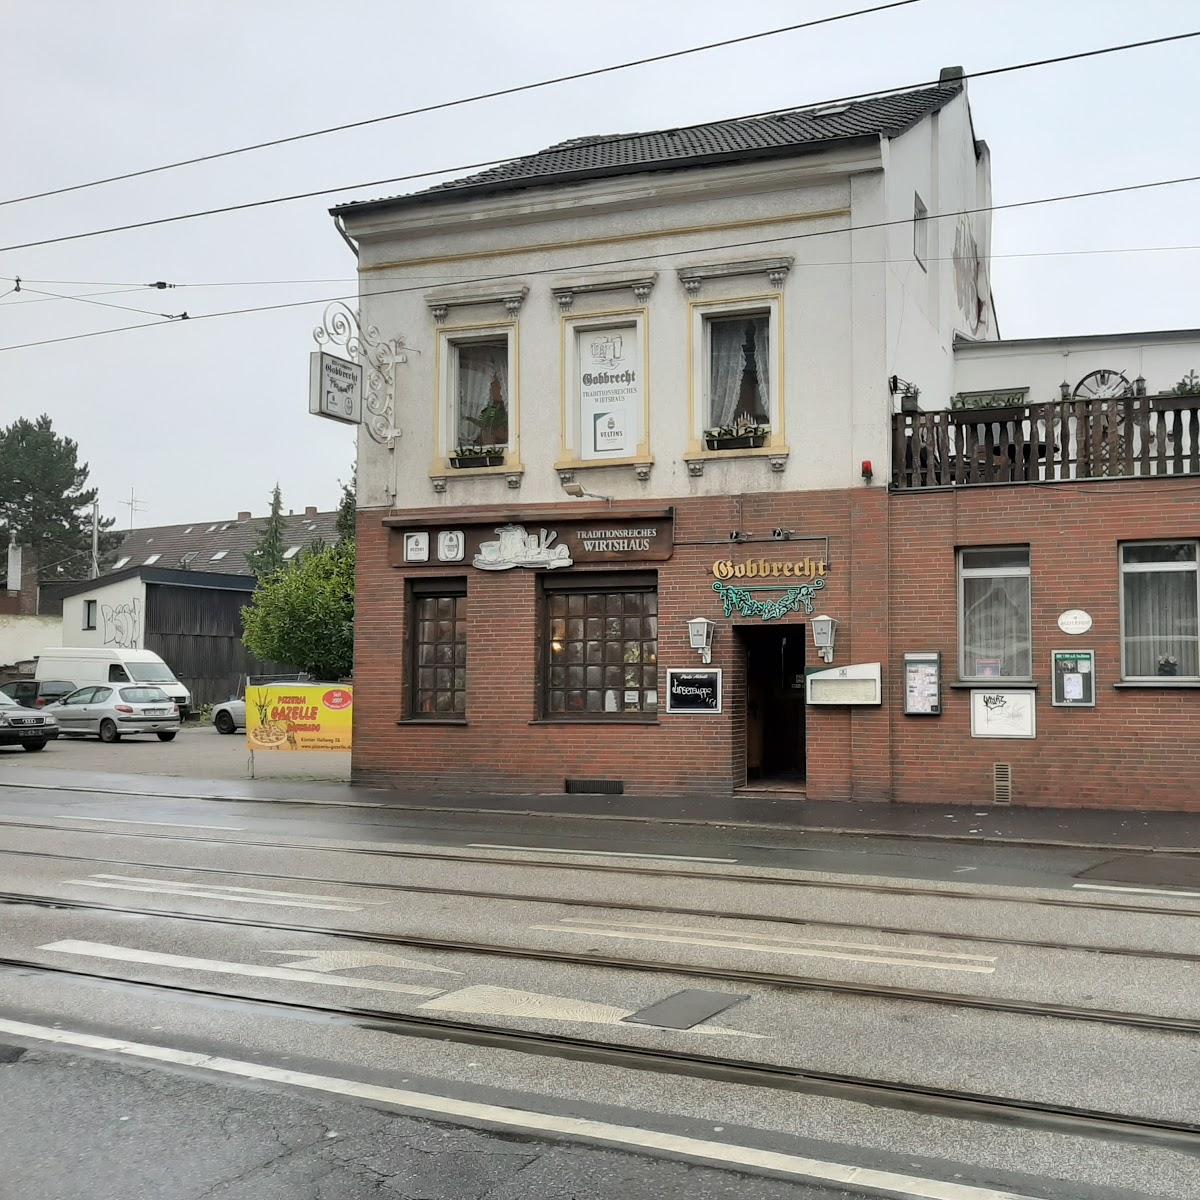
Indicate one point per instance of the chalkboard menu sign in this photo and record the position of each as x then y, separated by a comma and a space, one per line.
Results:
694, 691
1074, 679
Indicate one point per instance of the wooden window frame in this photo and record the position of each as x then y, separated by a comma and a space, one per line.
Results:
421, 590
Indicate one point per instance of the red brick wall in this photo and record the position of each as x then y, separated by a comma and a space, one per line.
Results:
891, 584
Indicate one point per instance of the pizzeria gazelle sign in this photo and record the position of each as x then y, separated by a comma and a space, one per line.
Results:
534, 544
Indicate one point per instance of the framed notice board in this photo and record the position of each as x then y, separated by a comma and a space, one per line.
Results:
697, 691
1073, 675
923, 684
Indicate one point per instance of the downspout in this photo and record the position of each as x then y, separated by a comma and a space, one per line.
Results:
340, 226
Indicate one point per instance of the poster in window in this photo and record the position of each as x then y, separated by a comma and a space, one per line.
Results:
610, 391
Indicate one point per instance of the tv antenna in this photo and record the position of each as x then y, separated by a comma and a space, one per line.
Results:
135, 506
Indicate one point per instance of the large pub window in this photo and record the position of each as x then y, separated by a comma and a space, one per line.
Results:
994, 613
1160, 607
600, 647
438, 670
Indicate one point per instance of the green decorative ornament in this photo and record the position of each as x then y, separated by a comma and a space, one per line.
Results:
793, 600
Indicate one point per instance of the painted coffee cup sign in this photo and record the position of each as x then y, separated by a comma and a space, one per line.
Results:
1075, 621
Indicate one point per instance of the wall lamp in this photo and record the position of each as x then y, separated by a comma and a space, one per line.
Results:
577, 490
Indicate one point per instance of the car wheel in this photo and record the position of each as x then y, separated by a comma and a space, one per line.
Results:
167, 737
32, 747
224, 722
109, 731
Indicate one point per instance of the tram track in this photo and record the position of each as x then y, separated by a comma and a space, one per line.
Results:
712, 876
1028, 1114
648, 909
726, 975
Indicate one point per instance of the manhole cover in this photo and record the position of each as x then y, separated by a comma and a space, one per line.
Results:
1161, 869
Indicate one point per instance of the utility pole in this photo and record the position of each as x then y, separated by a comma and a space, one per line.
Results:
95, 538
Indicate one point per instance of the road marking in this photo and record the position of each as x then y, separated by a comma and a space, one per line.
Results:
343, 960
183, 890
801, 951
167, 824
724, 1154
1111, 887
486, 1000
187, 963
601, 853
222, 887
769, 937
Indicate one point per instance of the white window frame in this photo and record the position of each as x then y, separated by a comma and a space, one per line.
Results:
447, 400
120, 562
89, 614
770, 305
153, 558
1146, 568
1025, 572
920, 231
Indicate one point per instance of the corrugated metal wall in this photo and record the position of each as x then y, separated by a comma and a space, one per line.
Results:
198, 633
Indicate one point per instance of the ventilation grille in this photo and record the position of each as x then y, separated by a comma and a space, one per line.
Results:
601, 787
1002, 783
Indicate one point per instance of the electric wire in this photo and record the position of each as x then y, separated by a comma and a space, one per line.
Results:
1122, 189
531, 180
104, 304
474, 99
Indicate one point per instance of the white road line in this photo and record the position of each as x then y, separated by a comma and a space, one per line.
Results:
184, 890
600, 853
167, 824
591, 931
222, 887
1140, 891
768, 937
187, 963
908, 1187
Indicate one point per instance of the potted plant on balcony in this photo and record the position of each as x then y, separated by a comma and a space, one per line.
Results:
743, 435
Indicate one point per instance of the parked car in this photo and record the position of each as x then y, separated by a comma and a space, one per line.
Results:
230, 716
116, 712
111, 664
21, 727
37, 693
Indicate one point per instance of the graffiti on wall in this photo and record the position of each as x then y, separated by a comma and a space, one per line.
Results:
122, 624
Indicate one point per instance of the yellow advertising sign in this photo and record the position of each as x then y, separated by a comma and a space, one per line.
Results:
290, 716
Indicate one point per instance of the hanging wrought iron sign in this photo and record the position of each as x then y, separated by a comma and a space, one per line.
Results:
794, 599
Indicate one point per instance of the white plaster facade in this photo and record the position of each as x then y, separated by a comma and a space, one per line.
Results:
111, 614
24, 637
826, 241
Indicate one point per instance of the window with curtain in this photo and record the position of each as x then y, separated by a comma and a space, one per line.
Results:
481, 399
994, 613
601, 651
739, 386
438, 674
1160, 599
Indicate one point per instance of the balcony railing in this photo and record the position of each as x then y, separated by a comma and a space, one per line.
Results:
1131, 437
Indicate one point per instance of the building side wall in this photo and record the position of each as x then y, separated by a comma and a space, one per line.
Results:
120, 616
23, 637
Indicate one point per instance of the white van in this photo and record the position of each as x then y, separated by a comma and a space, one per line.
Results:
83, 665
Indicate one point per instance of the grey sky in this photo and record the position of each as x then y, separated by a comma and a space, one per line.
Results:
202, 419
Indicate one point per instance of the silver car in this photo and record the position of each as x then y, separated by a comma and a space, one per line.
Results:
117, 711
230, 716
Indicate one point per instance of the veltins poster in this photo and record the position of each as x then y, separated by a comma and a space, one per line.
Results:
289, 716
610, 391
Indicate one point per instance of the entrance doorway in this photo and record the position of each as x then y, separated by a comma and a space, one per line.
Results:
774, 704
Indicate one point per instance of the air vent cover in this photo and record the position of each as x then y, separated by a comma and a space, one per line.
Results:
1002, 783
601, 787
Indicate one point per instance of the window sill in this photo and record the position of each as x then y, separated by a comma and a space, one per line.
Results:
703, 454
968, 685
433, 721
446, 471
592, 464
620, 720
1167, 682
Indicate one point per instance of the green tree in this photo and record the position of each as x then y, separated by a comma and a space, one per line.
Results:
305, 615
45, 500
267, 557
347, 506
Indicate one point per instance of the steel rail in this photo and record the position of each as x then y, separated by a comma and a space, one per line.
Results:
650, 909
619, 869
860, 1089
801, 983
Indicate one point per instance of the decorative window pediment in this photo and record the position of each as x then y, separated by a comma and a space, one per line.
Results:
640, 284
442, 300
775, 269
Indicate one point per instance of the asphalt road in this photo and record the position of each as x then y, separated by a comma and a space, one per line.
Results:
221, 998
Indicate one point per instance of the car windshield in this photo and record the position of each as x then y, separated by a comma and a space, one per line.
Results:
144, 695
151, 672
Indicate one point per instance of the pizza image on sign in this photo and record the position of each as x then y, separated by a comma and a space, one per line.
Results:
289, 716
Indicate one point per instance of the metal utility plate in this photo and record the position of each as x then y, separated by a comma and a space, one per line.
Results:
1160, 869
685, 1009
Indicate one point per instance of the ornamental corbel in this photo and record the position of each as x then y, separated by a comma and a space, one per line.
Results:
641, 290
439, 312
512, 304
513, 481
565, 298
696, 467
566, 477
778, 463
642, 472
439, 485
777, 275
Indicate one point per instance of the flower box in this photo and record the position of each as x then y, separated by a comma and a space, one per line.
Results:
465, 460
740, 441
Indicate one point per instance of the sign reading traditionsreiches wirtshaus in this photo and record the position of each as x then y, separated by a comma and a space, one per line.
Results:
535, 544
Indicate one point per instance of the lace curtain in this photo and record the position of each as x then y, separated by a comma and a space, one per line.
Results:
482, 394
729, 369
1161, 623
996, 627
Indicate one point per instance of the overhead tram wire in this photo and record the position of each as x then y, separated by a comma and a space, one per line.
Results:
104, 304
474, 99
639, 258
616, 140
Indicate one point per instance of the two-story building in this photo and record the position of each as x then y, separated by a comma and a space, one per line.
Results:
706, 385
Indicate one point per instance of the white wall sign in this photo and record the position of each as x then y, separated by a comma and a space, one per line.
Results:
1003, 713
334, 388
416, 547
1075, 621
609, 363
856, 683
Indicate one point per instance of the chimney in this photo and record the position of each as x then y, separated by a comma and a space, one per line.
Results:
949, 76
14, 564
310, 510
243, 516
